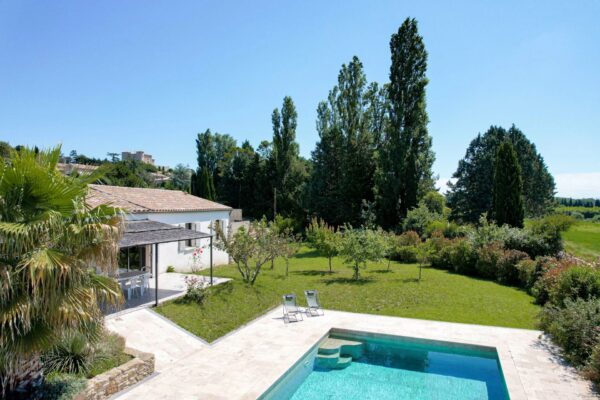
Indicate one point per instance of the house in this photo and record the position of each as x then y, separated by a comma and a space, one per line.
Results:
171, 207
138, 155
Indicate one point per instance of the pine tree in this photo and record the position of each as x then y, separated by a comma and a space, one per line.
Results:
406, 158
508, 188
207, 185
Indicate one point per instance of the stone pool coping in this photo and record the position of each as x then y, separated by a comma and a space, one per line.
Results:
246, 363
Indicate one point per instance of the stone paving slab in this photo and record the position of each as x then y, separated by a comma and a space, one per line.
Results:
245, 364
149, 332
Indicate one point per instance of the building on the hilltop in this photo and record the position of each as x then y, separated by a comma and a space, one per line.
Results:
138, 156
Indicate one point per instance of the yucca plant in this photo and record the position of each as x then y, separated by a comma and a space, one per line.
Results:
51, 245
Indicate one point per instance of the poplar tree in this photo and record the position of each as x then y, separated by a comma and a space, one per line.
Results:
508, 188
405, 155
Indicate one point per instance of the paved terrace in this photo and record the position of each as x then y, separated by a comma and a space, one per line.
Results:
247, 362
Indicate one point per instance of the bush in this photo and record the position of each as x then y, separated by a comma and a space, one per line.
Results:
592, 369
507, 270
71, 355
195, 292
463, 257
170, 269
573, 327
108, 354
439, 250
418, 219
59, 387
488, 257
550, 229
527, 273
577, 282
434, 201
410, 238
548, 271
450, 230
405, 254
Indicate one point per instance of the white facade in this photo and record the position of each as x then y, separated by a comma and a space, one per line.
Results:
180, 255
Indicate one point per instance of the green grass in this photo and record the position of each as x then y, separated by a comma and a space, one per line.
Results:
583, 240
440, 295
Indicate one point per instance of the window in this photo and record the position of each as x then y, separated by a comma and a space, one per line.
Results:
190, 226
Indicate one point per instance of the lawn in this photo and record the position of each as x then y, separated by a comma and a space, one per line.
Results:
440, 295
583, 240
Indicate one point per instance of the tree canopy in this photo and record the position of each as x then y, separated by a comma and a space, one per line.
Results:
471, 194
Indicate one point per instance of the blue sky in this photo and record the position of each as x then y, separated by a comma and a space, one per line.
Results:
148, 75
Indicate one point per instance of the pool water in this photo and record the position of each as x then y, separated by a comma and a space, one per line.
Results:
392, 367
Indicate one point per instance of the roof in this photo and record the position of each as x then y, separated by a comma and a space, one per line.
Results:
144, 232
143, 200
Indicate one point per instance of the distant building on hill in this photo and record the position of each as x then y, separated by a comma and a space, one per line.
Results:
138, 155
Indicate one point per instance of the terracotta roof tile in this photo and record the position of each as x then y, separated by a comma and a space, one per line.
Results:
142, 200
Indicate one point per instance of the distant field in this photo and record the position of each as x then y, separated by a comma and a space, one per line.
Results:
583, 240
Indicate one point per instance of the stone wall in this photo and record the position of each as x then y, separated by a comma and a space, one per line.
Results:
105, 385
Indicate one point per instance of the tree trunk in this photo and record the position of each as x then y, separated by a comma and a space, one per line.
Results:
330, 270
389, 260
287, 266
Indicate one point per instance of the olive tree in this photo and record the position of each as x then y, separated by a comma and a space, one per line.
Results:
323, 238
250, 248
358, 246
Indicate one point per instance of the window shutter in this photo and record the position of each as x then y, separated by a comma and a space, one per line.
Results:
195, 241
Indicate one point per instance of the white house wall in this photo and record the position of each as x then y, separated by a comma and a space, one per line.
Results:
169, 254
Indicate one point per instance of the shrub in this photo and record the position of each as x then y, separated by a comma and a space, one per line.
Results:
410, 238
195, 292
450, 230
488, 257
463, 257
419, 218
405, 254
59, 387
527, 273
170, 268
71, 355
592, 369
507, 271
549, 229
573, 327
596, 218
439, 250
434, 201
577, 282
487, 233
548, 271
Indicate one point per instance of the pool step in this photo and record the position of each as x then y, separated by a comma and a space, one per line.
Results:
337, 353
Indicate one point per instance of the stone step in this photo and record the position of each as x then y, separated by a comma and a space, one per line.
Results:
341, 347
332, 361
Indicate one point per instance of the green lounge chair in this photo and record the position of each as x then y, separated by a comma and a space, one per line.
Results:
314, 305
291, 309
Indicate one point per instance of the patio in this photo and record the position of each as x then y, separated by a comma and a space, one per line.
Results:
245, 363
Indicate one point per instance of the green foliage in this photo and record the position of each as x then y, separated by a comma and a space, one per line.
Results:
129, 173
71, 355
405, 157
507, 269
419, 219
579, 282
324, 239
507, 203
49, 240
434, 201
170, 269
181, 177
592, 368
59, 387
361, 245
488, 257
406, 254
349, 125
472, 193
250, 248
573, 327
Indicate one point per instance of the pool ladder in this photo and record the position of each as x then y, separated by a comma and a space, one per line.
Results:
337, 353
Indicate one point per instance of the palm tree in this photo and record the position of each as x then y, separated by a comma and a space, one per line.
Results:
51, 245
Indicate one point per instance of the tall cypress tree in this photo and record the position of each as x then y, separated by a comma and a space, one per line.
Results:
405, 156
508, 188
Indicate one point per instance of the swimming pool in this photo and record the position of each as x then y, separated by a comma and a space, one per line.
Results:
359, 365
